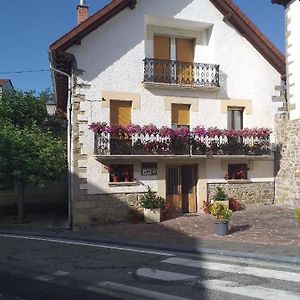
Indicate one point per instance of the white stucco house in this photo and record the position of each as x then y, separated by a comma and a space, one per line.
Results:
5, 86
292, 12
199, 73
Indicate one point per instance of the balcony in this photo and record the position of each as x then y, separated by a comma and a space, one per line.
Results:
171, 73
116, 141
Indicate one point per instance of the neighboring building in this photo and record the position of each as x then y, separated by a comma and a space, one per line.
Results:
287, 183
5, 86
173, 63
292, 12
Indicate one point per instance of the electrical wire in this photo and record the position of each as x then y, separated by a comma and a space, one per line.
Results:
25, 71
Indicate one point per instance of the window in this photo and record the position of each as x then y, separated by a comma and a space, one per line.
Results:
121, 173
237, 171
120, 112
180, 115
235, 117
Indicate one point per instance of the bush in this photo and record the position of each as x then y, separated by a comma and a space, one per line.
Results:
151, 201
220, 195
221, 212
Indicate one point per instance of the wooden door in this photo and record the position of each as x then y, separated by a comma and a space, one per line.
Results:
162, 68
181, 188
185, 55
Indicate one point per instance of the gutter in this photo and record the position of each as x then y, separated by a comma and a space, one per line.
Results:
69, 141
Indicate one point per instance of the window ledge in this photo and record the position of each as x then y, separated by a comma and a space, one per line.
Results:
116, 184
239, 181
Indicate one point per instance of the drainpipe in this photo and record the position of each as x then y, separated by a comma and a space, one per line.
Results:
69, 146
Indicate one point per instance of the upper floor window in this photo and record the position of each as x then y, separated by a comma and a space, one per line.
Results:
235, 117
120, 112
180, 115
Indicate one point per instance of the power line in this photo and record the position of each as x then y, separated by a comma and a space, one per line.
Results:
25, 71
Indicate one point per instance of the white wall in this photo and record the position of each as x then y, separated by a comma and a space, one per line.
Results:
112, 58
293, 57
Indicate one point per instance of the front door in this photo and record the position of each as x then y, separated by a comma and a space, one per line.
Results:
181, 188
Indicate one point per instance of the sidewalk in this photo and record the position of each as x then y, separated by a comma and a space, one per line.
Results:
262, 232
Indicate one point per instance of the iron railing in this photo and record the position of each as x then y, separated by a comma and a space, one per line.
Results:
181, 73
144, 144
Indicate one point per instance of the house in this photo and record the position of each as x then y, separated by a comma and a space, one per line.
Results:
174, 94
287, 128
5, 86
292, 11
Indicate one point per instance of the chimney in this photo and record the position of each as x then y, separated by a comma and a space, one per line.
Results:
82, 12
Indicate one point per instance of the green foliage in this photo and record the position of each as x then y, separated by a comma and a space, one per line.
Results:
220, 195
23, 109
297, 214
151, 201
29, 155
221, 212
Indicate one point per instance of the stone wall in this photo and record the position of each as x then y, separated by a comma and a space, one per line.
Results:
247, 192
93, 210
287, 181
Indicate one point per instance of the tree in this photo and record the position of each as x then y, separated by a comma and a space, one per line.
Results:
29, 151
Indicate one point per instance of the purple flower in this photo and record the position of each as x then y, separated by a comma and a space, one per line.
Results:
99, 127
166, 132
200, 131
149, 129
133, 129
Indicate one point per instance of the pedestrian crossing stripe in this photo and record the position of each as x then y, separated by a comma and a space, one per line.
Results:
236, 269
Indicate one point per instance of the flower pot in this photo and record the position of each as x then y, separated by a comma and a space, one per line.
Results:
152, 216
115, 178
222, 228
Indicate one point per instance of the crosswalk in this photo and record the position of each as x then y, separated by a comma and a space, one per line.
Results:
222, 280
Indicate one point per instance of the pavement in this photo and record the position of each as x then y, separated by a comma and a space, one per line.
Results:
266, 232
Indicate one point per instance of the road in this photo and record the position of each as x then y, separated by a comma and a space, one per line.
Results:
43, 268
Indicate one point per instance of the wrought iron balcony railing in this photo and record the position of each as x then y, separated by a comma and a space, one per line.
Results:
145, 144
181, 73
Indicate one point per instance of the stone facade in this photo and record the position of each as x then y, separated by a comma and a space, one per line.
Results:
247, 192
93, 210
288, 161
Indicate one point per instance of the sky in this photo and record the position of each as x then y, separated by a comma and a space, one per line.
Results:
28, 27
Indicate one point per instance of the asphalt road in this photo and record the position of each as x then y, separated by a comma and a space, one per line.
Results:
57, 269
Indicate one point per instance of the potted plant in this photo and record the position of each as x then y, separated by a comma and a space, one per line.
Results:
221, 196
223, 215
126, 175
152, 205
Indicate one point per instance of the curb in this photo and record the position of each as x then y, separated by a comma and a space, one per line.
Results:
294, 260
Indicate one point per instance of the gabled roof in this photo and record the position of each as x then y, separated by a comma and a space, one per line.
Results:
228, 8
4, 81
282, 2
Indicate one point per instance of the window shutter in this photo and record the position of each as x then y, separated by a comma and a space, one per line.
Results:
161, 47
185, 50
181, 114
120, 112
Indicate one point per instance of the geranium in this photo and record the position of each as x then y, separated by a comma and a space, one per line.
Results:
117, 130
214, 132
133, 129
182, 132
166, 132
200, 131
149, 129
98, 127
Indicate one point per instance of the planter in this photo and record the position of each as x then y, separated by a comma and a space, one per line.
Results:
152, 216
222, 228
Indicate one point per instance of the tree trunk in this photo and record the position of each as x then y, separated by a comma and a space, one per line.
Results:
21, 202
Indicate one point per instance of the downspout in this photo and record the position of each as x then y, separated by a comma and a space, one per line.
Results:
69, 146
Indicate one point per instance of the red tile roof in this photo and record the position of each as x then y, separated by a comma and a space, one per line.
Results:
3, 81
228, 8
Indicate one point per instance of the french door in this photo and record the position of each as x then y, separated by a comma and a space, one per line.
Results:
181, 188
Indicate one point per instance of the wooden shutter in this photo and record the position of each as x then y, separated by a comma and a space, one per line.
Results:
181, 114
161, 47
120, 112
185, 50
185, 53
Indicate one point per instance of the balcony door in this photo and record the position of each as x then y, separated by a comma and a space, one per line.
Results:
185, 54
162, 68
181, 188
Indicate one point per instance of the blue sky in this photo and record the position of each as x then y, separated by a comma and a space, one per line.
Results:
28, 27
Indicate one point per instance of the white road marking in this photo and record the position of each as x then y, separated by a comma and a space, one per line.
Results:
249, 291
86, 244
44, 278
163, 275
259, 272
61, 273
138, 292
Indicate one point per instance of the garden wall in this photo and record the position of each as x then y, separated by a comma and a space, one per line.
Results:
287, 183
52, 197
247, 192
